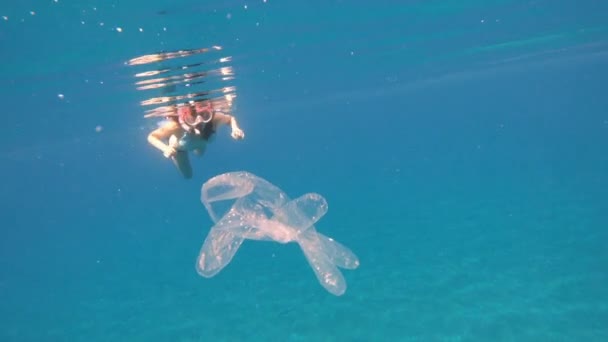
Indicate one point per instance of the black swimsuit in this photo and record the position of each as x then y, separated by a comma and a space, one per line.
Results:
207, 130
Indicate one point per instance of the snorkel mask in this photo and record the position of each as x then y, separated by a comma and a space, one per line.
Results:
190, 116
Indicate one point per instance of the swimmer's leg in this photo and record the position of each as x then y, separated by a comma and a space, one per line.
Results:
182, 162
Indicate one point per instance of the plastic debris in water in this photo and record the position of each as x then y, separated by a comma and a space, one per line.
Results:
261, 211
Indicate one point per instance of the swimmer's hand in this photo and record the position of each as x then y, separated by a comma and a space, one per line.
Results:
169, 152
237, 133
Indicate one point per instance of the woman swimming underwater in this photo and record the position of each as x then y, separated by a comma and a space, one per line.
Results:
191, 128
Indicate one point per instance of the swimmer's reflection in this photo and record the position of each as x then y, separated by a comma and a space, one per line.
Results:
262, 211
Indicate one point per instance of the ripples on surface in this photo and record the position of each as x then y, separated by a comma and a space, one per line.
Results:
174, 78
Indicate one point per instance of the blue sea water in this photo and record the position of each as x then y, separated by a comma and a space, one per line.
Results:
461, 146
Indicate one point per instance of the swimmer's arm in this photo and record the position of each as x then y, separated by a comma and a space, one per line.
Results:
156, 137
225, 119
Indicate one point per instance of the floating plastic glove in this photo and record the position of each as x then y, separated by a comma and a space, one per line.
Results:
244, 206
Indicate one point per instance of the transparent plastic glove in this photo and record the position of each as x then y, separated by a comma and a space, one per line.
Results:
246, 207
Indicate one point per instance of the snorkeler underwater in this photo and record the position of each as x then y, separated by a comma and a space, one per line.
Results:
191, 115
259, 210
